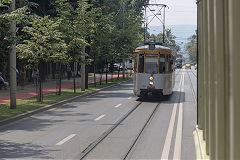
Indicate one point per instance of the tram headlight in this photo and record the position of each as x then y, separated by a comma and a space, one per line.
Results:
151, 83
151, 78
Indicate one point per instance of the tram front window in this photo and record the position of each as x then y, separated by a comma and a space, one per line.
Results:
151, 64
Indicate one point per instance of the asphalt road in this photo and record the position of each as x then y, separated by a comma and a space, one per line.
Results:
63, 133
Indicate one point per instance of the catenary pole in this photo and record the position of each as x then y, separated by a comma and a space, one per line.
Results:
164, 24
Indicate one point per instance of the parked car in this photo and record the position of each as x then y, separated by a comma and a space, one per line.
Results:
187, 66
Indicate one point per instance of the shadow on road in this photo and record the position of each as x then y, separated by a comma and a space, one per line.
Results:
174, 98
11, 150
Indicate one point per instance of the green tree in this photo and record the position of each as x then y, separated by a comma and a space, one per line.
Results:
4, 2
191, 47
118, 30
169, 40
44, 45
128, 25
6, 38
5, 35
102, 47
77, 25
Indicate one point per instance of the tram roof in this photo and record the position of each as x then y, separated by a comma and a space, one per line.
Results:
146, 49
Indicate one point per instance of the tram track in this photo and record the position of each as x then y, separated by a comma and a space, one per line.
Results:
147, 123
133, 146
92, 145
192, 88
137, 139
178, 73
194, 74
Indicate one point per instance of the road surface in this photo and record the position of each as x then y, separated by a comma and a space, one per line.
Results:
69, 131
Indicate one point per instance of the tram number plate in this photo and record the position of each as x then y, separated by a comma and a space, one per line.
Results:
151, 87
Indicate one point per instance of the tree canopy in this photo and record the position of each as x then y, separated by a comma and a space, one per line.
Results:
191, 47
45, 43
58, 30
169, 40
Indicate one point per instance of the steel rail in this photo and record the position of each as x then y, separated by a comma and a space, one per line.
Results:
92, 145
133, 146
193, 73
193, 91
177, 73
140, 133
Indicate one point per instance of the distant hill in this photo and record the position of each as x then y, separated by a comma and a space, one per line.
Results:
182, 32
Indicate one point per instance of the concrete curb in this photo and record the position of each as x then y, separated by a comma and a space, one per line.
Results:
200, 145
55, 105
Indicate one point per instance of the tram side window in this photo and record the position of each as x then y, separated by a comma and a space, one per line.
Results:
162, 63
141, 64
171, 65
167, 64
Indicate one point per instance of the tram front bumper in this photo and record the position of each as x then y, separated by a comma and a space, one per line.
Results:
153, 90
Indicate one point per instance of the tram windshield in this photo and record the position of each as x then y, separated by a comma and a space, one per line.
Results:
151, 64
154, 64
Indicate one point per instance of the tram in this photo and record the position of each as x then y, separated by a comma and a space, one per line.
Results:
179, 62
154, 70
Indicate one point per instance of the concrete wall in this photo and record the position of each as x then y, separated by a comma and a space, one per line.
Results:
219, 77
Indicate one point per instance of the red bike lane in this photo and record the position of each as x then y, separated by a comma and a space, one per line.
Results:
33, 92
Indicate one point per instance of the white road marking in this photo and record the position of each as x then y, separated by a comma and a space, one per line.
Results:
178, 139
100, 117
118, 105
167, 143
129, 97
65, 139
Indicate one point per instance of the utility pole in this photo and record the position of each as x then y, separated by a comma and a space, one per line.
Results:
83, 65
13, 78
145, 25
164, 24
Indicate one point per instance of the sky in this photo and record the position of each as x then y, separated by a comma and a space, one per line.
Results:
180, 12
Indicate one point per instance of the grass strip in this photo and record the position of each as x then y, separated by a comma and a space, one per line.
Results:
25, 105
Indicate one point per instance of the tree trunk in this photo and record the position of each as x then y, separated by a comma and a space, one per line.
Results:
82, 72
13, 79
106, 72
123, 67
112, 69
40, 77
101, 79
112, 77
60, 80
94, 75
118, 72
74, 75
86, 77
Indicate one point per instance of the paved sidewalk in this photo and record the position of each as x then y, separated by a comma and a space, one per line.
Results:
48, 87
